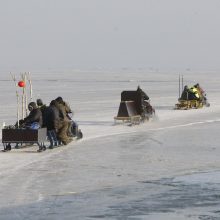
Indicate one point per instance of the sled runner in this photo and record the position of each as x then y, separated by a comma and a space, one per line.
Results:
23, 136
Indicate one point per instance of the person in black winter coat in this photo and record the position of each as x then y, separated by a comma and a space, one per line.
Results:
35, 115
51, 117
185, 93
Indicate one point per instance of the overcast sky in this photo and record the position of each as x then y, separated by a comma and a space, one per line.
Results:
85, 34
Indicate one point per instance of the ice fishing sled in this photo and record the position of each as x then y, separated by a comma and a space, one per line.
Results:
133, 109
21, 136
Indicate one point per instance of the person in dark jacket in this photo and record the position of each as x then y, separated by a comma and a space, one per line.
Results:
51, 117
35, 116
185, 94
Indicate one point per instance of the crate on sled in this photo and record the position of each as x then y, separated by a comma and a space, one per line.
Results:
188, 104
21, 136
130, 107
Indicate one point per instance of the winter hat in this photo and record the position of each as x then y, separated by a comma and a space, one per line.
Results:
59, 99
53, 102
39, 102
32, 105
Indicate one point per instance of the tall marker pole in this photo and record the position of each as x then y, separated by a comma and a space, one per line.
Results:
26, 96
23, 97
17, 95
30, 84
182, 82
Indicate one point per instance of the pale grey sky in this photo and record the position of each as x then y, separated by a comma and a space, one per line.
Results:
67, 34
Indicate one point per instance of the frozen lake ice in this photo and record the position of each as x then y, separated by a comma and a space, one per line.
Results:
165, 169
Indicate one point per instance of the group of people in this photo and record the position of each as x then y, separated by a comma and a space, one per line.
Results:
54, 117
194, 93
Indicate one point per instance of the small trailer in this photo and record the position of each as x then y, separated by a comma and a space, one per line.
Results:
20, 136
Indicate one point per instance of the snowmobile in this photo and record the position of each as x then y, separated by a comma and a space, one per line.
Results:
188, 100
133, 109
75, 131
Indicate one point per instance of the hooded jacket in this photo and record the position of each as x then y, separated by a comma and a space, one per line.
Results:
35, 115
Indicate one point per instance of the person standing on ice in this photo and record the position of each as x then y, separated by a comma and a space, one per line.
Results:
51, 118
64, 121
66, 110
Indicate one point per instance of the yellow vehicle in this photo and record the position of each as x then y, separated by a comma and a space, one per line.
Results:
191, 97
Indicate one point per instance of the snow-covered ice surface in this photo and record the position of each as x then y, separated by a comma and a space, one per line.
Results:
168, 168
